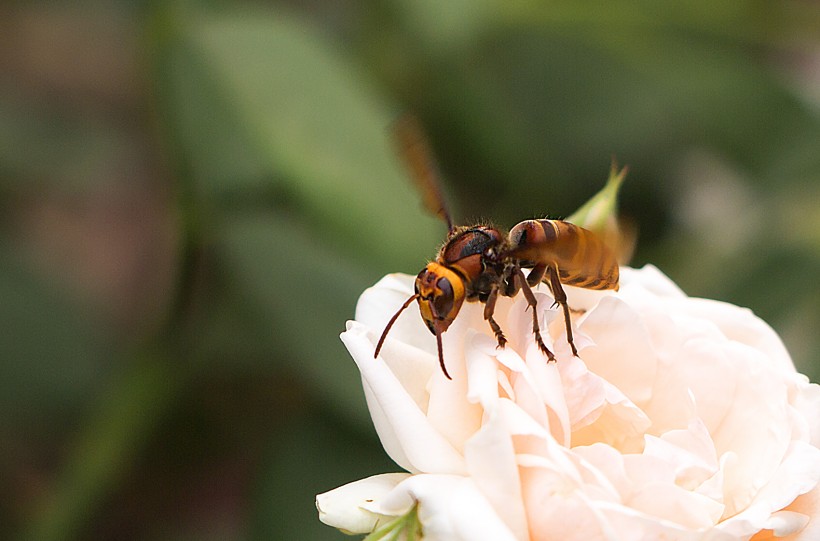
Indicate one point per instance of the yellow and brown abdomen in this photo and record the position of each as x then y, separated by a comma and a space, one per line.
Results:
582, 258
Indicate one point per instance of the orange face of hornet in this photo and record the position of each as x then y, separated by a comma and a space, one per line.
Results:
440, 294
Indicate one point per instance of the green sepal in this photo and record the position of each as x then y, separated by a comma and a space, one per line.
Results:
600, 214
407, 527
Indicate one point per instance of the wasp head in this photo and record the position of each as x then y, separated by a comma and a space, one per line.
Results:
440, 294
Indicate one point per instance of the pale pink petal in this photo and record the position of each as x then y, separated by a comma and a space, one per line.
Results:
667, 501
609, 463
450, 508
346, 507
553, 458
634, 525
455, 418
529, 403
785, 523
378, 304
510, 358
798, 474
807, 403
491, 463
807, 505
517, 321
620, 424
695, 440
543, 381
738, 325
482, 372
635, 370
759, 413
413, 367
584, 392
404, 430
690, 454
681, 383
557, 508
518, 422
648, 281
584, 300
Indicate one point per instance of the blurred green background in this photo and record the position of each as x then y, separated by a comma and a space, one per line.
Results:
195, 193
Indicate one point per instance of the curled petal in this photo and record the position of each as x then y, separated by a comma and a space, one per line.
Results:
403, 427
346, 507
798, 474
808, 506
450, 508
491, 463
807, 403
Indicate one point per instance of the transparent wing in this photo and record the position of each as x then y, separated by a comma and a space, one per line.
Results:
414, 150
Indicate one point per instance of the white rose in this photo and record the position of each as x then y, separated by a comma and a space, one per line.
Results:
681, 419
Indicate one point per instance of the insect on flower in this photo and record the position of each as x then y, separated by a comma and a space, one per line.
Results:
478, 263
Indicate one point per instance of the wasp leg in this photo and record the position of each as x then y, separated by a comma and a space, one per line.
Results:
536, 274
489, 309
518, 277
561, 298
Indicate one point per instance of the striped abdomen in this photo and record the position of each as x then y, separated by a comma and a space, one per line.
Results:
583, 260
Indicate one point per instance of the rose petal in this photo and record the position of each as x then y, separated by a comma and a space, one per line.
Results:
544, 380
667, 501
798, 474
807, 403
607, 462
620, 423
517, 321
690, 454
738, 325
632, 524
491, 463
650, 281
584, 392
455, 418
346, 507
628, 341
451, 508
807, 505
557, 507
783, 523
482, 372
380, 302
404, 430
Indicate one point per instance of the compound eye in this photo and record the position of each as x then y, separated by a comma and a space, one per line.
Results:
443, 302
420, 279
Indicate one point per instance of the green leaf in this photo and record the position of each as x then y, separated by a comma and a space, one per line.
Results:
266, 109
53, 352
444, 27
540, 107
104, 451
43, 147
302, 292
315, 454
